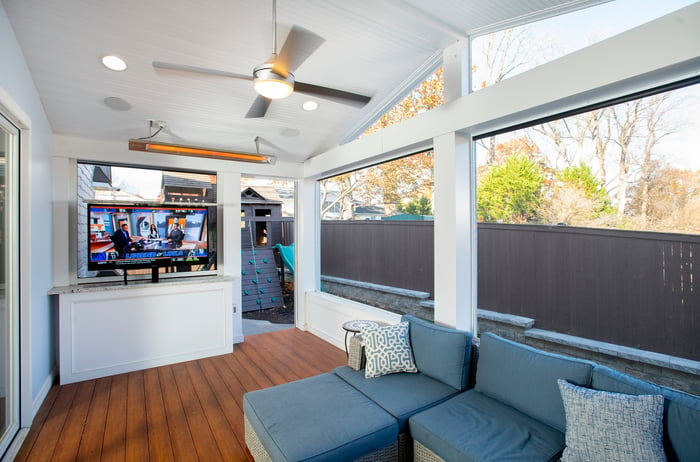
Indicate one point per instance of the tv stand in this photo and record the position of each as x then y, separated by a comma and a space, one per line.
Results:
155, 275
108, 329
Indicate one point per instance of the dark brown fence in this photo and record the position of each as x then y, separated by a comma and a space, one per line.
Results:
391, 253
630, 288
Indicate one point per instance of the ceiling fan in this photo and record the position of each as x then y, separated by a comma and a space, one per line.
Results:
274, 79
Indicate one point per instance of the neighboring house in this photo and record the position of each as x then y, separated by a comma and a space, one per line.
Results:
189, 187
369, 212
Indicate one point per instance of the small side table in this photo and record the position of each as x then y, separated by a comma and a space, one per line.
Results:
355, 327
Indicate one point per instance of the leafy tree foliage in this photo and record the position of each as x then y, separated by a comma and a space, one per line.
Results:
388, 183
511, 192
582, 178
420, 206
576, 198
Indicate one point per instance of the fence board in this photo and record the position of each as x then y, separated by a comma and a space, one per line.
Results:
391, 253
637, 289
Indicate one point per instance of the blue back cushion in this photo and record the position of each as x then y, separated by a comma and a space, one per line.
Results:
526, 378
681, 411
440, 352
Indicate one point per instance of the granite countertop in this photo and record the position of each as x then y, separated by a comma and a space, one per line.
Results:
135, 284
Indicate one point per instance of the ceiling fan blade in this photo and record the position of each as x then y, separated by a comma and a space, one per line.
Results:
199, 70
352, 99
300, 44
259, 108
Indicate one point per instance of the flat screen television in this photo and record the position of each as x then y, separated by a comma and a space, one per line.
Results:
158, 235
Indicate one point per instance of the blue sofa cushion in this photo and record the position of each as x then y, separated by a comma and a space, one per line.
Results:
472, 427
402, 395
526, 378
681, 414
321, 418
440, 352
603, 425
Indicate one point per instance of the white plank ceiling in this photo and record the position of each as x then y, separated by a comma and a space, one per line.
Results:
372, 47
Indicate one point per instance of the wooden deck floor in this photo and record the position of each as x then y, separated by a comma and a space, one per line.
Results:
184, 412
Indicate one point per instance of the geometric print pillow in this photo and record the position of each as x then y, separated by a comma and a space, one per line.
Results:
610, 426
387, 350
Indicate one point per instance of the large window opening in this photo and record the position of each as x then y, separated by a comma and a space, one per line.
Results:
427, 95
589, 223
166, 213
377, 235
267, 252
503, 54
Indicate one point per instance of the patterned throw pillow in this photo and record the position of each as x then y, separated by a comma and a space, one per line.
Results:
387, 350
605, 426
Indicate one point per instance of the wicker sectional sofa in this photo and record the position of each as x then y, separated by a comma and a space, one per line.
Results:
503, 401
343, 416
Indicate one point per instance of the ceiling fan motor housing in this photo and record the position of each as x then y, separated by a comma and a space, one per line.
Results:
271, 84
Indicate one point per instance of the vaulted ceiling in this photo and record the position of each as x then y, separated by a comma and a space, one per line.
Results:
372, 47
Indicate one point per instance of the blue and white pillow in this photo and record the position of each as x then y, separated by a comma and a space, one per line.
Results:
605, 426
387, 350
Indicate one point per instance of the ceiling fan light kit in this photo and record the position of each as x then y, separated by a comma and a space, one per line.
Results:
114, 63
195, 151
270, 84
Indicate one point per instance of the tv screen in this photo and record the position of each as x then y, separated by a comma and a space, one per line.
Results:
146, 236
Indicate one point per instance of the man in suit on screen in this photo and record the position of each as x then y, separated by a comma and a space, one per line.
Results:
122, 240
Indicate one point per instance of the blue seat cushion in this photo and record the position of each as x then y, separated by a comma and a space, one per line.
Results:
472, 427
321, 418
402, 394
526, 378
440, 352
681, 411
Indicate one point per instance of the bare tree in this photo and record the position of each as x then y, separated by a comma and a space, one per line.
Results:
505, 52
656, 112
626, 117
344, 185
598, 126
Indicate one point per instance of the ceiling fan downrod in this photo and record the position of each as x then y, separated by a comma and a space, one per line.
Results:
274, 27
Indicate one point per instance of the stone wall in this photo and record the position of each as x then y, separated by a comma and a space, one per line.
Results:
666, 370
394, 299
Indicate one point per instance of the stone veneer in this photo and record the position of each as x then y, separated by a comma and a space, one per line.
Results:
666, 370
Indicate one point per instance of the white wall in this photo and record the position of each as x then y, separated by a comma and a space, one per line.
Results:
660, 52
18, 95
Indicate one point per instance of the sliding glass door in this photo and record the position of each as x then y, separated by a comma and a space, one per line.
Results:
9, 284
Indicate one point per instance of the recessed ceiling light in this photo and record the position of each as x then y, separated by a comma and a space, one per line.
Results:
310, 105
114, 63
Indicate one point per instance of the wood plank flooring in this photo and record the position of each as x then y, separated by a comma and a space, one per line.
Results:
183, 412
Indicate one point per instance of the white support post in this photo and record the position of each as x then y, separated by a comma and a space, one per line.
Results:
307, 248
456, 73
455, 225
229, 232
455, 252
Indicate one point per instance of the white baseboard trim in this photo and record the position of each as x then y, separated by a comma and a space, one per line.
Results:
43, 391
